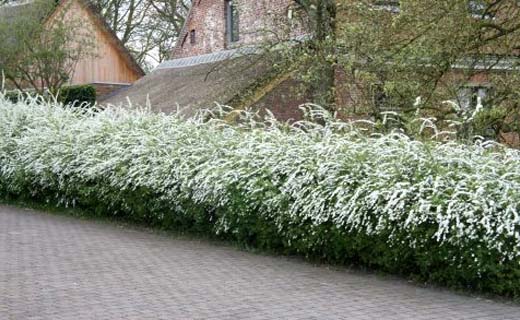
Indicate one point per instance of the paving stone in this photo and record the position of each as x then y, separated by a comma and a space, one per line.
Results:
55, 267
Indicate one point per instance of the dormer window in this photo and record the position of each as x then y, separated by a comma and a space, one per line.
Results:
232, 22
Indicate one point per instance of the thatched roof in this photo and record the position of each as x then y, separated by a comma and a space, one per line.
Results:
195, 83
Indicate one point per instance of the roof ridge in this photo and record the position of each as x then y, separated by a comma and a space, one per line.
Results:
206, 58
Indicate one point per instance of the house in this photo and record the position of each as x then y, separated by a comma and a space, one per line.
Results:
469, 64
110, 66
215, 61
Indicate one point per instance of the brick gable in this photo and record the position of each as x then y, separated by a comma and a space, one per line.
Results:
259, 21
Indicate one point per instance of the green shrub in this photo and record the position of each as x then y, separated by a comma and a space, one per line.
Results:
81, 95
78, 95
444, 213
16, 96
489, 122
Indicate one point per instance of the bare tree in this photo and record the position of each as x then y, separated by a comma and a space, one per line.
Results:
37, 52
149, 28
388, 53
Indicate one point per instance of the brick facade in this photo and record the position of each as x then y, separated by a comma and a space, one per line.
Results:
258, 21
207, 20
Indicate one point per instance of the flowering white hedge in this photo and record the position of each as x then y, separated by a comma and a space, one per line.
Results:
416, 195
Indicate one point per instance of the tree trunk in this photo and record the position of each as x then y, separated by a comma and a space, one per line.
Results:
322, 14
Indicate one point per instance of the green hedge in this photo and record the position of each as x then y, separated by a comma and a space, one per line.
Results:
16, 96
78, 95
442, 213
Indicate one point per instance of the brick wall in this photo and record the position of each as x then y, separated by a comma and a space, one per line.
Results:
104, 90
207, 20
259, 21
267, 20
284, 101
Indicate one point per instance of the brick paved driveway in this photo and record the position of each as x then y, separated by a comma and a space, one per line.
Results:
54, 267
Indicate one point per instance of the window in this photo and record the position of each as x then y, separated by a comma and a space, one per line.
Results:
232, 22
290, 13
193, 37
389, 5
294, 14
294, 11
478, 9
472, 95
